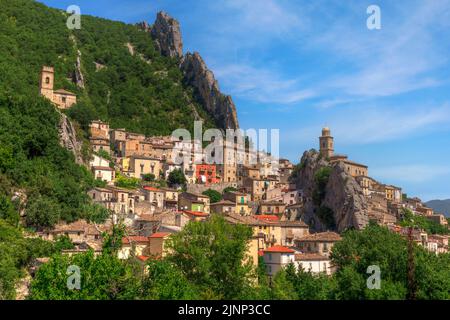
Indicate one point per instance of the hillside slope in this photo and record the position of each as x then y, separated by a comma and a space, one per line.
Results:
113, 67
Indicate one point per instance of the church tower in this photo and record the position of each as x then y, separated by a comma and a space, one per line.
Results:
46, 82
326, 143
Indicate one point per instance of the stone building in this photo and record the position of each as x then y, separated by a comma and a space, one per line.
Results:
327, 151
99, 128
320, 243
62, 98
142, 165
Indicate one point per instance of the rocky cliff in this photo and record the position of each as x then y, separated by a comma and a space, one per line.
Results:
167, 37
333, 198
68, 139
206, 87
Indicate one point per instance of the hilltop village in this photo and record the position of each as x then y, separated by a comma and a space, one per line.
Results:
154, 197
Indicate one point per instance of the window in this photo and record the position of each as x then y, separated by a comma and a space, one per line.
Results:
270, 257
325, 247
325, 266
47, 80
63, 99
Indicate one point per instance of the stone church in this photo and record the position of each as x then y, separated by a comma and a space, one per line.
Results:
62, 98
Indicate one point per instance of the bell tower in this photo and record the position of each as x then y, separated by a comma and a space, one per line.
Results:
46, 82
326, 143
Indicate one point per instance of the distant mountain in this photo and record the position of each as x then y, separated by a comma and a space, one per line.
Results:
441, 206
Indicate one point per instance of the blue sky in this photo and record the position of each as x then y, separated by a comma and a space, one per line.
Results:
300, 65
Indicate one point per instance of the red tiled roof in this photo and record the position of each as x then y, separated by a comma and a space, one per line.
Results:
160, 235
143, 258
266, 217
279, 249
152, 189
196, 213
127, 240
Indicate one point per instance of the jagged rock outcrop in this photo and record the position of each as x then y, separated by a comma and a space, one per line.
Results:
68, 139
342, 196
167, 35
346, 198
220, 106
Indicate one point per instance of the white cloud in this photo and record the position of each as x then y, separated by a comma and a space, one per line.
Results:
397, 59
378, 124
261, 85
270, 17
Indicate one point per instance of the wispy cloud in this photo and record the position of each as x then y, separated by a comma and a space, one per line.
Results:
379, 124
261, 84
269, 17
397, 59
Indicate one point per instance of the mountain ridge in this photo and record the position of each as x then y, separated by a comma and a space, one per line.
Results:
440, 206
166, 34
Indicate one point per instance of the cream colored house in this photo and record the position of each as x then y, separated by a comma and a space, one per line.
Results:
155, 196
240, 200
224, 206
133, 246
278, 257
140, 165
320, 243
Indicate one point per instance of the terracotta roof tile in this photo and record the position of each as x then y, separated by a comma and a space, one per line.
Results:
279, 249
196, 213
159, 235
266, 217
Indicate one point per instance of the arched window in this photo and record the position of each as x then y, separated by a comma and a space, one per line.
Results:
47, 80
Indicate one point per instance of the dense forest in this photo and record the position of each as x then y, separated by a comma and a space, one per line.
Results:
140, 90
40, 183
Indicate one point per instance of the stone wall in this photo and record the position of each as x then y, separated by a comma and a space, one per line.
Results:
200, 188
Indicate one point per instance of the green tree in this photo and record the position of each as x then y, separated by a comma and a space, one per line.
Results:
63, 243
176, 178
8, 211
229, 189
214, 196
126, 182
166, 282
42, 212
104, 277
150, 177
213, 256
